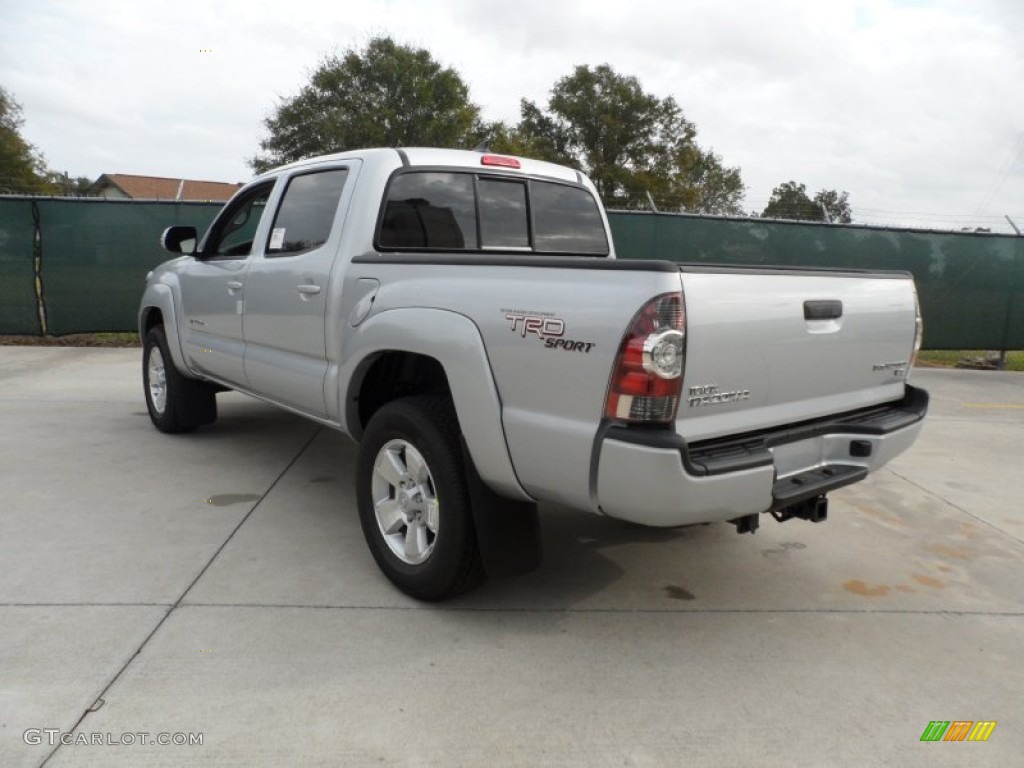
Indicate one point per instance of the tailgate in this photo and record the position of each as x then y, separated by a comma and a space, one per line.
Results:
769, 347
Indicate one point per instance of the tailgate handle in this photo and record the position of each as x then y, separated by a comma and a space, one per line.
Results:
823, 310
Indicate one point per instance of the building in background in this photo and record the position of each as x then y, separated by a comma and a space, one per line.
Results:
123, 186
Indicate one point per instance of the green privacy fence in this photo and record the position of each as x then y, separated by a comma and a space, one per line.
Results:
18, 250
73, 265
78, 265
971, 286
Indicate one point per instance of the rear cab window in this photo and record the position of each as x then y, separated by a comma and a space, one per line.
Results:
481, 212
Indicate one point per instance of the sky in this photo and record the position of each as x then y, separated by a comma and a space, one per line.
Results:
914, 107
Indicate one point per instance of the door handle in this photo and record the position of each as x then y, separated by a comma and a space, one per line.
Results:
309, 290
823, 310
234, 285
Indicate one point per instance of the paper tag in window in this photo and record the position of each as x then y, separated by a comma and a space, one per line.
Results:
277, 239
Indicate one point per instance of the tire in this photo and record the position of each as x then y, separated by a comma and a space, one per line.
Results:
410, 457
175, 402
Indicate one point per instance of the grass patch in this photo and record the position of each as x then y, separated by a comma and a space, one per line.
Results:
74, 340
949, 358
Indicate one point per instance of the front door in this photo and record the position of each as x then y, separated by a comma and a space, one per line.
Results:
287, 289
213, 289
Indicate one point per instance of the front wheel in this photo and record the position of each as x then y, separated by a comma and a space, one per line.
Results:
175, 402
413, 502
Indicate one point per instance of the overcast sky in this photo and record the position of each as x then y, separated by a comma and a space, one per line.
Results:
915, 107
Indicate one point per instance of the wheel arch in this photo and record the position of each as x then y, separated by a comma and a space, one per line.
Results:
157, 308
391, 374
402, 352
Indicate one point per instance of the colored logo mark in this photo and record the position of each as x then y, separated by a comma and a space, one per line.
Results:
958, 730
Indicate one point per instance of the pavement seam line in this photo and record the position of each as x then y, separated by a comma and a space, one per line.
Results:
85, 605
514, 609
957, 507
97, 702
524, 609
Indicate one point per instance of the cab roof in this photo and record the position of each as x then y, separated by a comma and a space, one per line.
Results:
448, 158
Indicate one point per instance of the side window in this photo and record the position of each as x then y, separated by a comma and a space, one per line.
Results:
306, 213
503, 222
566, 220
232, 233
430, 210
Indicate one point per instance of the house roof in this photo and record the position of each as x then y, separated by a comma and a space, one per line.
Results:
160, 188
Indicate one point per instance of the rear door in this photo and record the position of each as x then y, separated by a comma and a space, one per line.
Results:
771, 347
287, 289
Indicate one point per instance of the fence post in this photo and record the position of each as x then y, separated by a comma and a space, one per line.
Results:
37, 268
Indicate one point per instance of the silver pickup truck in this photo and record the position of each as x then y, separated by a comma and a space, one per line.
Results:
463, 317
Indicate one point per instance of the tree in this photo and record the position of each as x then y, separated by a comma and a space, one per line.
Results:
22, 168
704, 185
62, 184
537, 136
383, 95
789, 200
631, 143
837, 204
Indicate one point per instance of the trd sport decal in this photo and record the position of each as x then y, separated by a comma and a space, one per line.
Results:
546, 327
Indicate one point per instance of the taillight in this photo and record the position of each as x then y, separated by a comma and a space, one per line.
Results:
918, 332
647, 377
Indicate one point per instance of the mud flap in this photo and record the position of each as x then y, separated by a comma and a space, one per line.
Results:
507, 531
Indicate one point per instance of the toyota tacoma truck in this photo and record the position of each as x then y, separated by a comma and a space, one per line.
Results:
462, 316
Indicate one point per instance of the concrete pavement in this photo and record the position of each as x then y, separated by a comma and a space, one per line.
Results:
218, 584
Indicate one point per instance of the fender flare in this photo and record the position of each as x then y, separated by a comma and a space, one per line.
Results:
455, 342
159, 296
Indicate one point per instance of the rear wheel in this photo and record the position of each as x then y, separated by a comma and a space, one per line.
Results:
175, 402
413, 502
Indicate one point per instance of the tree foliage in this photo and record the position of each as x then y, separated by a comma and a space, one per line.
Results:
631, 143
382, 95
837, 204
22, 168
63, 184
789, 200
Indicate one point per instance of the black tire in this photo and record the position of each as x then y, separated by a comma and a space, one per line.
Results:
452, 563
187, 403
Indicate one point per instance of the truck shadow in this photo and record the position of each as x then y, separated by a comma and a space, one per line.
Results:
591, 563
596, 564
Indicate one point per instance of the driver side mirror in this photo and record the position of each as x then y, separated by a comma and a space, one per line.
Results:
179, 239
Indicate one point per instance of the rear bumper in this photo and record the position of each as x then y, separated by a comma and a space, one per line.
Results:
655, 478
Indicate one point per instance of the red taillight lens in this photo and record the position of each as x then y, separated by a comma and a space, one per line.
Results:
647, 378
500, 161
